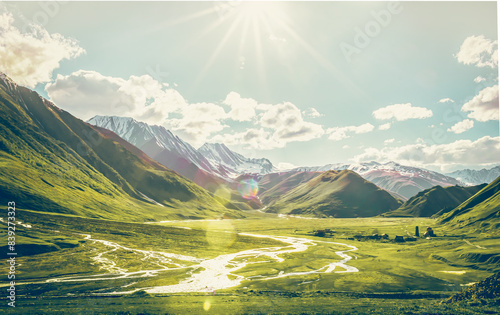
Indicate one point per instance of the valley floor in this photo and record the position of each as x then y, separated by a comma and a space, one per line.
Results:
256, 302
262, 264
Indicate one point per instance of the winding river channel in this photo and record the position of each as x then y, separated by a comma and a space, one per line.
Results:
209, 274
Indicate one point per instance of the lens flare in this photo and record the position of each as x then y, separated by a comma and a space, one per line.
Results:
248, 188
220, 234
206, 305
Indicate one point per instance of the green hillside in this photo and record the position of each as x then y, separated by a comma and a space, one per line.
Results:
342, 194
480, 212
271, 187
274, 186
434, 200
53, 162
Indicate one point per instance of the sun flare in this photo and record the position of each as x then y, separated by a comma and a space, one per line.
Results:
267, 12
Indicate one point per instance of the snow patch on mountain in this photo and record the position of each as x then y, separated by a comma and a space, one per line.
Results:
215, 158
234, 164
7, 82
139, 134
476, 177
368, 167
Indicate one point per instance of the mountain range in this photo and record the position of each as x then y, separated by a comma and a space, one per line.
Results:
403, 181
233, 164
54, 162
178, 155
476, 177
214, 164
116, 167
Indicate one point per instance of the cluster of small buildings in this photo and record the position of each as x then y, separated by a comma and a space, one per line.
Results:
398, 239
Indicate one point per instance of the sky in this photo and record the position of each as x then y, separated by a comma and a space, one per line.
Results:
299, 83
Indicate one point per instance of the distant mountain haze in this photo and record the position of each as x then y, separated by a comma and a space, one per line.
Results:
476, 177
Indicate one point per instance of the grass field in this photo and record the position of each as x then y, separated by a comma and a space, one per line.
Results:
65, 270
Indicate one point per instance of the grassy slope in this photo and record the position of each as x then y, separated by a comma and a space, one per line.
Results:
271, 187
274, 186
337, 194
479, 213
433, 200
53, 162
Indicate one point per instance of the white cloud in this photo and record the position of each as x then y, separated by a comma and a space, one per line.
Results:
462, 152
258, 139
479, 79
198, 122
339, 133
402, 112
388, 141
346, 146
312, 112
278, 125
484, 106
88, 93
288, 123
462, 126
30, 58
384, 126
478, 51
284, 166
446, 100
242, 109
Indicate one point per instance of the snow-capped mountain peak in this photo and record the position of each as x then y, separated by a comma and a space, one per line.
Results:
152, 139
220, 153
7, 82
476, 177
233, 163
170, 150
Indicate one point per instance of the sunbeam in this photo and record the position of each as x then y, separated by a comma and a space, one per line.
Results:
260, 57
323, 61
217, 50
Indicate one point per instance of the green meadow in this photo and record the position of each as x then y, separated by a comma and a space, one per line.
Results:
60, 269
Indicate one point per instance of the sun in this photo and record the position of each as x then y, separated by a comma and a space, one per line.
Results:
259, 11
250, 25
252, 10
258, 29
